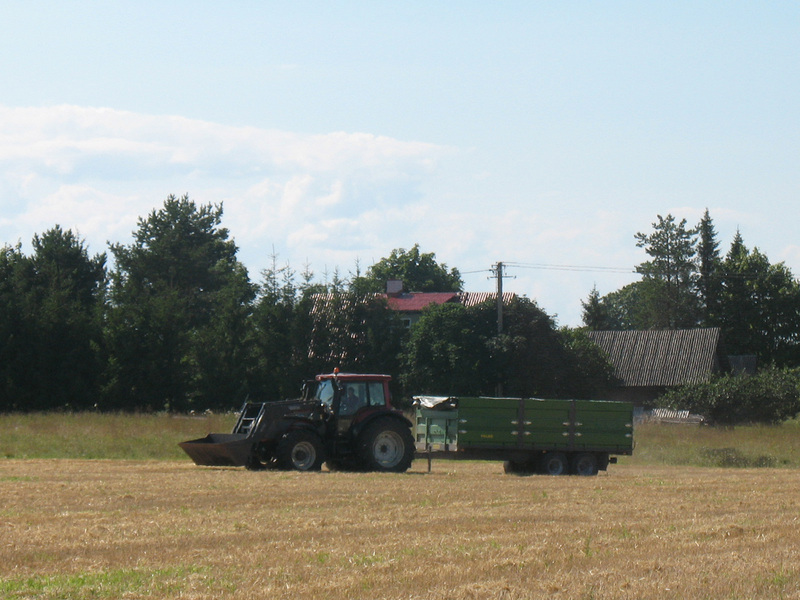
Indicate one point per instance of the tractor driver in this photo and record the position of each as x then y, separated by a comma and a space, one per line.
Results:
351, 402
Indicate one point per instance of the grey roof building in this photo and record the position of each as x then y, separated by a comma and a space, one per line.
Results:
647, 363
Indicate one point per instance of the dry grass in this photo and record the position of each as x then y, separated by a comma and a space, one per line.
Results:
84, 529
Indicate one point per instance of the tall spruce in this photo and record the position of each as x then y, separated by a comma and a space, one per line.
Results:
281, 333
595, 313
709, 280
17, 352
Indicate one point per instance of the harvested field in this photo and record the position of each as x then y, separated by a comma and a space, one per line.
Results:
168, 529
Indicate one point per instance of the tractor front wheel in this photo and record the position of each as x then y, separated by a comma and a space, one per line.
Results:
386, 445
300, 450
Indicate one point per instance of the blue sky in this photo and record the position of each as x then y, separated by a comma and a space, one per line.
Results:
535, 133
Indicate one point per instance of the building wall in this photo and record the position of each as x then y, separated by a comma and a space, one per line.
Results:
640, 396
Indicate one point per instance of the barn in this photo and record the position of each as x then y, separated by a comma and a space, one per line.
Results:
647, 363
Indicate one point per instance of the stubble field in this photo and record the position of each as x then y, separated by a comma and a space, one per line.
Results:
83, 529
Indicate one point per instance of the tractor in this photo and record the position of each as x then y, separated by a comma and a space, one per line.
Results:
344, 420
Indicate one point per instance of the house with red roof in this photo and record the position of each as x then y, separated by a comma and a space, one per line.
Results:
411, 304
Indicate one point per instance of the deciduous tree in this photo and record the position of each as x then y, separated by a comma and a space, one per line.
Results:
759, 306
418, 271
771, 396
457, 350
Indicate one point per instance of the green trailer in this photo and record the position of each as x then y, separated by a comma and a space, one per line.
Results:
529, 435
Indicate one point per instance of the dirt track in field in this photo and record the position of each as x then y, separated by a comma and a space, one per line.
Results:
117, 529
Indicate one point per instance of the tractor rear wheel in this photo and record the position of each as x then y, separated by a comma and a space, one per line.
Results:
386, 445
300, 450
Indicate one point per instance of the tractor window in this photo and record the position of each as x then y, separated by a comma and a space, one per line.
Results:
325, 393
376, 397
354, 397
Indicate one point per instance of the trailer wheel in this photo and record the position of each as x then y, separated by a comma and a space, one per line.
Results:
584, 464
386, 445
555, 463
300, 450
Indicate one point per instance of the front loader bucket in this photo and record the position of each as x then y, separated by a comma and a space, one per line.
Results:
220, 450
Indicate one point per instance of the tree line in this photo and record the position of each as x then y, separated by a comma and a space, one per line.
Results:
177, 324
687, 282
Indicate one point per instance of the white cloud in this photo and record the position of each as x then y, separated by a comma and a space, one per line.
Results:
66, 135
81, 208
97, 170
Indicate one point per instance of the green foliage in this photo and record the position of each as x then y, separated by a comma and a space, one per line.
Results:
177, 325
446, 352
591, 374
279, 336
16, 352
759, 306
355, 332
671, 294
50, 328
596, 315
418, 271
709, 284
668, 278
457, 350
530, 358
301, 330
771, 396
619, 310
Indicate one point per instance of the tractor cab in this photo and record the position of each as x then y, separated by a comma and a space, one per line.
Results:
351, 398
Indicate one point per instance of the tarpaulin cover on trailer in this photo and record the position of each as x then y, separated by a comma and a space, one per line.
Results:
437, 402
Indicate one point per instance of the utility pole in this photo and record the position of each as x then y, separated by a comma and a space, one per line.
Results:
497, 271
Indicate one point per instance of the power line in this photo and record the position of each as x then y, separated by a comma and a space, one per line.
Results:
550, 267
477, 271
587, 268
724, 275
